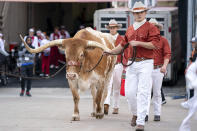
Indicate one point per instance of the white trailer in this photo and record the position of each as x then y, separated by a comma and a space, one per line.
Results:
121, 15
168, 16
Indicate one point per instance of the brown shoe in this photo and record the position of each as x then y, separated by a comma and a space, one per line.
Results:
115, 111
133, 120
106, 109
139, 128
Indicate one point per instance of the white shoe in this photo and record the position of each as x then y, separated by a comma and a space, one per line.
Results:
51, 66
185, 105
42, 74
56, 67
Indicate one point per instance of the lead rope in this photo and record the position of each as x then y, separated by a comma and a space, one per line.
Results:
122, 51
34, 78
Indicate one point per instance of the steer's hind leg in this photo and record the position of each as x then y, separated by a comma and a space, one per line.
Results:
99, 94
75, 116
93, 92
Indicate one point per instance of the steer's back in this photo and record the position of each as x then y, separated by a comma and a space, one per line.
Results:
92, 55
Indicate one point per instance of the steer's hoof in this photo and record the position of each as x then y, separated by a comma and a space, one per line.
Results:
93, 114
99, 115
75, 118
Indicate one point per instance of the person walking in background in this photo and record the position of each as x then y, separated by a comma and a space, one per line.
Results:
54, 53
144, 37
191, 76
45, 57
115, 82
26, 62
189, 89
34, 44
162, 57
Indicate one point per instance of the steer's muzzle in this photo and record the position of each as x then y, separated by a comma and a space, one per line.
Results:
72, 76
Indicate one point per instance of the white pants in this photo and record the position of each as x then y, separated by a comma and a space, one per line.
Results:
115, 82
185, 125
192, 103
138, 85
157, 77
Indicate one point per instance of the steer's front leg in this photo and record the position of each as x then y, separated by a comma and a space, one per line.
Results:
99, 95
73, 87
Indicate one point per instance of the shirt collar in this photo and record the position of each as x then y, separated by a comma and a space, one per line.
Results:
137, 25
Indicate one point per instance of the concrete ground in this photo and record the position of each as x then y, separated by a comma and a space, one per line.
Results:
50, 109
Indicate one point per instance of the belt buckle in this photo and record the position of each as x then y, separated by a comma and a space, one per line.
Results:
139, 59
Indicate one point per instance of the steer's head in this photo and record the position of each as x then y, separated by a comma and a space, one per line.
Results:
74, 49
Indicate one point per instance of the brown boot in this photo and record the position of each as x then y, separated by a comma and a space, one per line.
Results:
133, 120
106, 109
139, 128
115, 111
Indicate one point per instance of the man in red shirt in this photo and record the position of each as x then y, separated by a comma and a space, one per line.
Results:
145, 37
117, 73
161, 59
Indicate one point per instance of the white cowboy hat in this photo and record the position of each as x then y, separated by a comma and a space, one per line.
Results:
113, 23
156, 23
139, 7
31, 30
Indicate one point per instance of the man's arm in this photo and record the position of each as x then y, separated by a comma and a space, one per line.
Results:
165, 64
115, 50
147, 45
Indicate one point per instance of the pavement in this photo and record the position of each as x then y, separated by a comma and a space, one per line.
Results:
51, 106
50, 109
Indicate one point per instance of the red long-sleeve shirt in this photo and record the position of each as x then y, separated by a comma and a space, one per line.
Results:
118, 41
164, 52
146, 33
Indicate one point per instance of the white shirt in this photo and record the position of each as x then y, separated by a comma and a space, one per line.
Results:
2, 47
43, 42
137, 25
115, 36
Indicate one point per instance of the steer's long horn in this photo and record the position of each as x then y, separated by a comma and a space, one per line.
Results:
40, 49
96, 44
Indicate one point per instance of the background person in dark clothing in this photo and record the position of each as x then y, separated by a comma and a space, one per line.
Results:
26, 62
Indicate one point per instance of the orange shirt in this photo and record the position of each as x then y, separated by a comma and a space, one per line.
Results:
118, 41
164, 52
146, 33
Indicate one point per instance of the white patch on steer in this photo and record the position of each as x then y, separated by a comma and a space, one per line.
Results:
85, 84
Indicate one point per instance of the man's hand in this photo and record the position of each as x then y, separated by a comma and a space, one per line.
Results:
163, 69
134, 43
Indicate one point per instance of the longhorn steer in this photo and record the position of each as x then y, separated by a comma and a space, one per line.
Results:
82, 53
